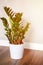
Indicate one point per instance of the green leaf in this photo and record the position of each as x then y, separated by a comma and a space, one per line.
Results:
5, 23
26, 28
9, 12
18, 17
11, 22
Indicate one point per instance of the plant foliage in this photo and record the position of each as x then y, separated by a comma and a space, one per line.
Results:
14, 30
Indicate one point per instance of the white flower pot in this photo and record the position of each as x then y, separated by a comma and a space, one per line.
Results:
16, 51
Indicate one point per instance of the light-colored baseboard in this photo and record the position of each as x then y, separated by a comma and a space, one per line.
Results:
34, 46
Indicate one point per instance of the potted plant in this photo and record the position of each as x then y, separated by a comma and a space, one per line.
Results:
15, 32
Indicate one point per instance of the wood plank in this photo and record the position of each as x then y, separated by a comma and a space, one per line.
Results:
31, 57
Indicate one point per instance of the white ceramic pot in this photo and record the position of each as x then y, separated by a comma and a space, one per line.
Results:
16, 51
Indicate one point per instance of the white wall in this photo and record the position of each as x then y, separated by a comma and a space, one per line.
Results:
32, 11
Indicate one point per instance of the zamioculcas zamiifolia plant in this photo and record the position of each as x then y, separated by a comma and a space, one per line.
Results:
15, 32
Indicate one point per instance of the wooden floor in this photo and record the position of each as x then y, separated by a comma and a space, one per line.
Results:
31, 57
